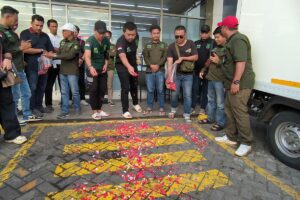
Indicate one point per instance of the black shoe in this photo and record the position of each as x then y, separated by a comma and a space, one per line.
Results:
62, 116
20, 112
44, 110
49, 108
37, 113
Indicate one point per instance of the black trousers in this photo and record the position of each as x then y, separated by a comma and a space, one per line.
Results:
53, 73
81, 83
97, 91
8, 117
128, 83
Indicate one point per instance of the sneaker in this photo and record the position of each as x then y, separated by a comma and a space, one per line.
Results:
33, 118
111, 103
37, 113
18, 140
127, 115
50, 108
22, 122
103, 114
224, 139
62, 116
243, 150
187, 118
96, 116
45, 110
84, 103
137, 108
20, 112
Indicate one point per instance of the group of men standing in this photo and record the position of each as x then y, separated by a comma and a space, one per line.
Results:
226, 62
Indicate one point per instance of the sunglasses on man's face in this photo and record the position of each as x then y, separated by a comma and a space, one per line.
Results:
179, 36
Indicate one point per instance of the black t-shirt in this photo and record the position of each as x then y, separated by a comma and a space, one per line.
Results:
130, 49
38, 41
204, 48
188, 49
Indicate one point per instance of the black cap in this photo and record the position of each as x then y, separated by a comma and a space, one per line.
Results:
100, 26
77, 28
205, 28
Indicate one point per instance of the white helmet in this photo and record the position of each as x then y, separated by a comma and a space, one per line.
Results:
69, 27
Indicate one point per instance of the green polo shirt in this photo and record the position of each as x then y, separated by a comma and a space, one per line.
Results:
13, 42
99, 51
238, 49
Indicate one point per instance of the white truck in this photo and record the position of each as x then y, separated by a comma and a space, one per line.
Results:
273, 27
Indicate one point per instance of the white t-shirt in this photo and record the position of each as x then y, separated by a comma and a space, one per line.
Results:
55, 40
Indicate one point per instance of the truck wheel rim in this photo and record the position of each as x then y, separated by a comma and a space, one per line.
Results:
287, 137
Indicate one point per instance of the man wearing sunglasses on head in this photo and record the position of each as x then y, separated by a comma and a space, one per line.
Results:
182, 52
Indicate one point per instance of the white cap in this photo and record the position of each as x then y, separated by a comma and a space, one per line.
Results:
69, 27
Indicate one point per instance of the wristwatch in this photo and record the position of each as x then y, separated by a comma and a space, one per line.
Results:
236, 82
42, 50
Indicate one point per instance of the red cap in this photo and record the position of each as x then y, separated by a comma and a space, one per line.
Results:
229, 21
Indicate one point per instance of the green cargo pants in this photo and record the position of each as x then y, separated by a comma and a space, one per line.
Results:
238, 120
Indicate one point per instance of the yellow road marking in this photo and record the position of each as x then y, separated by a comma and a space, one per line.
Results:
267, 175
152, 160
172, 185
112, 121
113, 146
285, 83
12, 164
153, 129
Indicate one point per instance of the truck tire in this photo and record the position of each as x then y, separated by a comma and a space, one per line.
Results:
284, 138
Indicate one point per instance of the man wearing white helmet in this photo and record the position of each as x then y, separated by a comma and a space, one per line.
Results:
68, 53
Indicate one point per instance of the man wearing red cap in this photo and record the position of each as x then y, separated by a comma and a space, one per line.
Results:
239, 81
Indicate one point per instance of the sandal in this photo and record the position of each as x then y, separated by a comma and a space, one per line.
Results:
216, 127
171, 115
148, 111
127, 115
204, 121
162, 112
137, 108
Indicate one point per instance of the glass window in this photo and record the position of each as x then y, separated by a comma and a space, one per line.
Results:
193, 28
59, 14
83, 2
229, 7
43, 10
169, 25
143, 22
86, 18
149, 6
25, 13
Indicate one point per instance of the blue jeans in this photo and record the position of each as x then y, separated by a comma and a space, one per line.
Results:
199, 92
186, 82
155, 81
65, 82
37, 84
215, 106
22, 91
